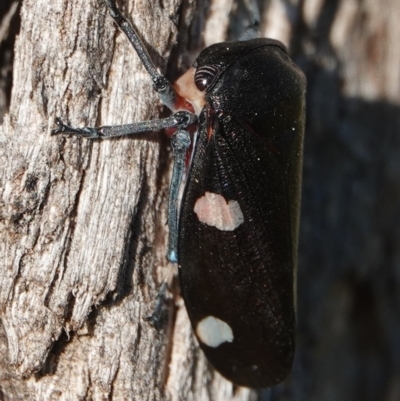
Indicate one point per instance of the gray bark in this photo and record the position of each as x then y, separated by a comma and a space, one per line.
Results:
82, 224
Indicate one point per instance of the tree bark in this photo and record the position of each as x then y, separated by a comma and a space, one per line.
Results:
82, 223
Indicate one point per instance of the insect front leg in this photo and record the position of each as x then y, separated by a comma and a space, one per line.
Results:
180, 141
160, 83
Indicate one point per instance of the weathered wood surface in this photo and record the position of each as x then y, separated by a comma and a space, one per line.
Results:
82, 224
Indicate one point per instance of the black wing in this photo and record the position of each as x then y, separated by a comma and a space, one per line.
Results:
243, 277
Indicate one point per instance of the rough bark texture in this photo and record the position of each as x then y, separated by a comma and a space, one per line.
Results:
82, 224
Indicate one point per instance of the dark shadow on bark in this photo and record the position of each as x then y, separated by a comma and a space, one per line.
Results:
8, 16
348, 277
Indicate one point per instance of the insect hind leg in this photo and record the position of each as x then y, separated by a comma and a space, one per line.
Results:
180, 144
156, 317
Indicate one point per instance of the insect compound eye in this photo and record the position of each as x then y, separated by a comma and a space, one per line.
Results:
205, 76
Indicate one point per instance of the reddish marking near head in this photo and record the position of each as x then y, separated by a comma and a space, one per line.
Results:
187, 89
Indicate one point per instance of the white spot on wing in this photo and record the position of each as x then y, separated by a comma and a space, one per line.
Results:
213, 331
213, 210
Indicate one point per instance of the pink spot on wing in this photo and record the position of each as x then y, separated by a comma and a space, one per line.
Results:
213, 210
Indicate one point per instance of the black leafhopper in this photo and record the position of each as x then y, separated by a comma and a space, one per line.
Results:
234, 233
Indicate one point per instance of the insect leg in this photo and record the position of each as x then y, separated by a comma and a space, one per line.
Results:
155, 317
180, 143
181, 119
160, 83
